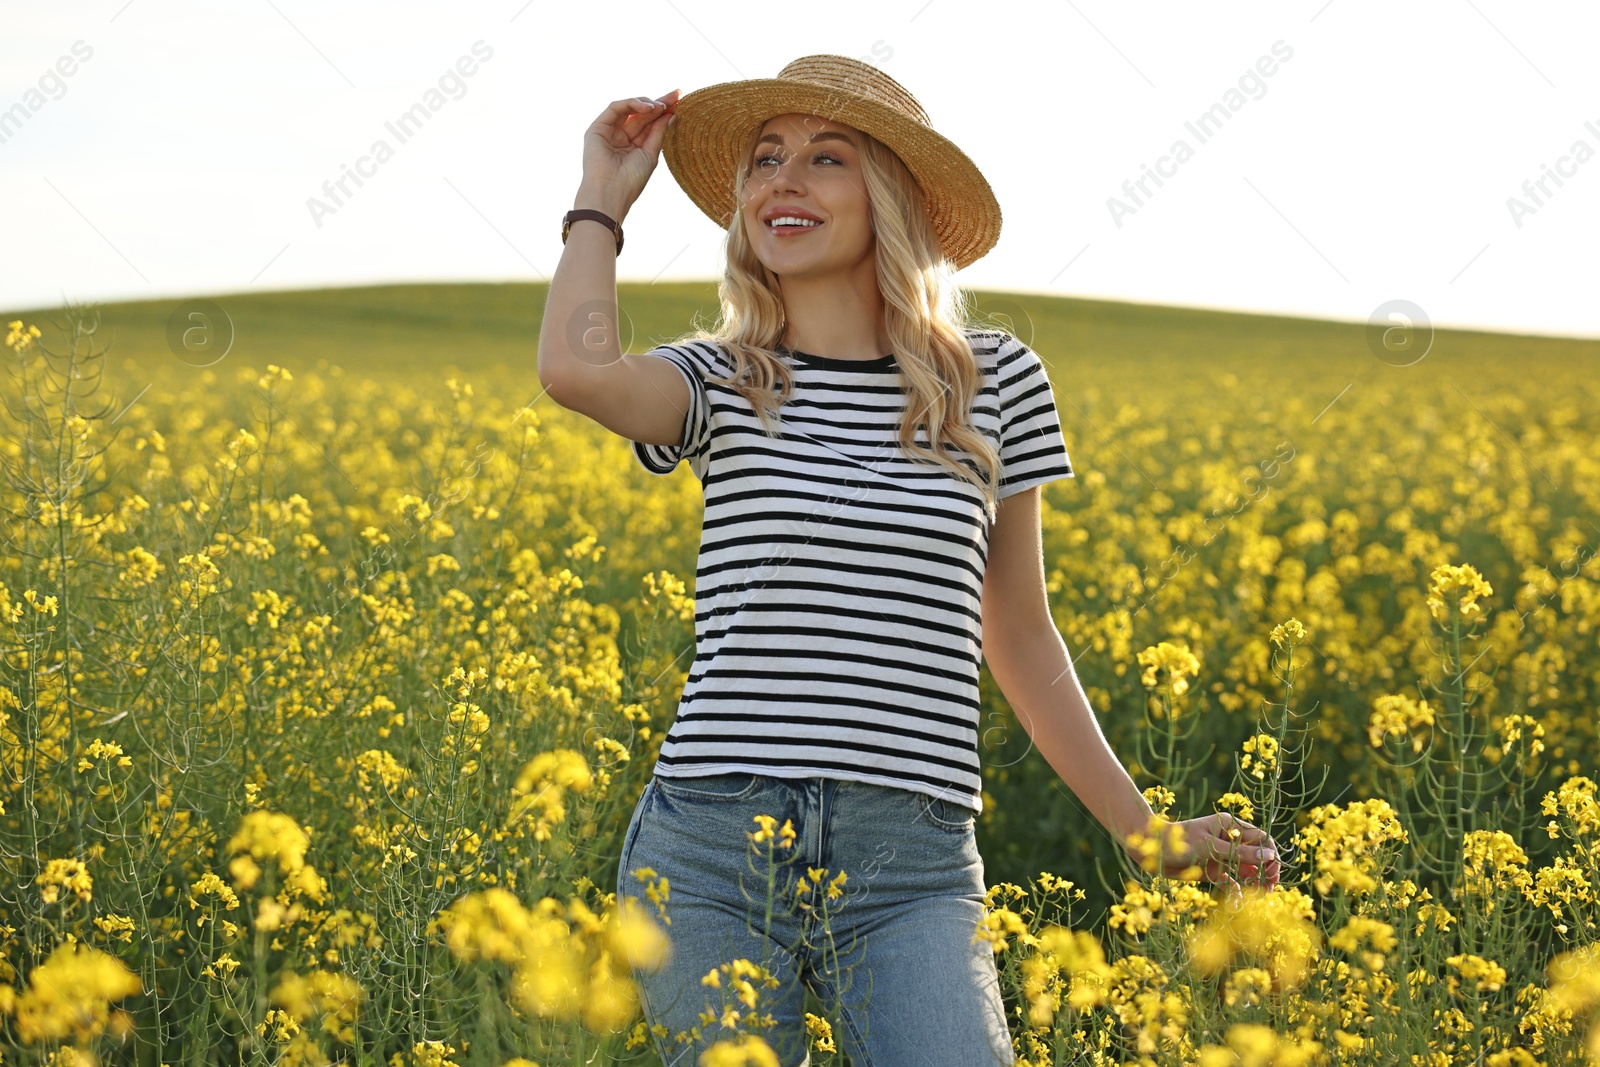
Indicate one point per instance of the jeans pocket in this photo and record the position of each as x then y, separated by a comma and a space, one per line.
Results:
624, 876
709, 788
948, 815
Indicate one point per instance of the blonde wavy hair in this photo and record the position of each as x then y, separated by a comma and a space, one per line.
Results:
925, 314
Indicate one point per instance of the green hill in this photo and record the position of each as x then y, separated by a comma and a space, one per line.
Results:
454, 328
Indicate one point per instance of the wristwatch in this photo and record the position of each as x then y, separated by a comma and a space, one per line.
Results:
579, 213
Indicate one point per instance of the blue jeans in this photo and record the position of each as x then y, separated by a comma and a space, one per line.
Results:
894, 964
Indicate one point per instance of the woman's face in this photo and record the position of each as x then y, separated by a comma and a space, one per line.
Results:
810, 166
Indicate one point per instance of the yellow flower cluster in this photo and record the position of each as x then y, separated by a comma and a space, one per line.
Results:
1351, 846
106, 750
1288, 634
1163, 901
276, 839
746, 1050
1168, 667
68, 874
1396, 715
1255, 1045
1274, 929
19, 337
1575, 989
1067, 965
542, 789
817, 878
1575, 808
821, 1032
1237, 803
70, 995
1492, 861
332, 997
1260, 758
769, 830
567, 961
743, 979
1453, 591
1379, 936
1485, 976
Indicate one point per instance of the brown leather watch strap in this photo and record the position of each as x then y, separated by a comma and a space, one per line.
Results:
579, 213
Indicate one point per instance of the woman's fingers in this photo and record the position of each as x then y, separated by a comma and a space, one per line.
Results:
1223, 843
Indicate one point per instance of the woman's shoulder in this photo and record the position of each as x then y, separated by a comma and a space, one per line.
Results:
704, 354
996, 349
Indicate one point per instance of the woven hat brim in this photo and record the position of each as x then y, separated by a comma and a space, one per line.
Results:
704, 149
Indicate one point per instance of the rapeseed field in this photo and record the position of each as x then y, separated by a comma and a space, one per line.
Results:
334, 663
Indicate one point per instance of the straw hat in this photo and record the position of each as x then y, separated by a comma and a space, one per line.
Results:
705, 146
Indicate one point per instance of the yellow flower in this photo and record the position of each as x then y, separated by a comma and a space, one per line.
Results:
746, 1050
657, 889
1358, 931
107, 750
1491, 861
1073, 955
542, 787
1454, 590
320, 993
70, 875
433, 1054
1518, 728
997, 926
1396, 715
1288, 633
821, 1033
1237, 802
635, 937
118, 926
1168, 667
70, 994
1274, 928
770, 830
209, 884
1349, 845
1160, 799
222, 968
1486, 976
1257, 1045
271, 835
1575, 979
489, 925
1575, 807
1247, 985
19, 337
1260, 756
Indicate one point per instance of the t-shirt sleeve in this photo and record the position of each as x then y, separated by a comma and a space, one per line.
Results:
1032, 449
663, 459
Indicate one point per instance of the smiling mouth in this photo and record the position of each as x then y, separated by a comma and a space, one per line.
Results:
787, 230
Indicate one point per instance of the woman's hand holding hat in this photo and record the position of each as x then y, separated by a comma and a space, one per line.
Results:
621, 148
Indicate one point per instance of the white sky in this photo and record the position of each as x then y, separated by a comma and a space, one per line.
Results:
1376, 166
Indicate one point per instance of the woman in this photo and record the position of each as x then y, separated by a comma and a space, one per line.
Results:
857, 548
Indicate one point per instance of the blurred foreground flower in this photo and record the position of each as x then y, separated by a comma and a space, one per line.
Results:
567, 961
70, 994
1273, 928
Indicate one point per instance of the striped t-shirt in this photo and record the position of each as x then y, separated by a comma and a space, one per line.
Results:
839, 584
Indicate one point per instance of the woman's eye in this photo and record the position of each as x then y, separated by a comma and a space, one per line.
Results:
762, 160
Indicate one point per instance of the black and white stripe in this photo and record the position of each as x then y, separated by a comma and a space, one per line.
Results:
839, 583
